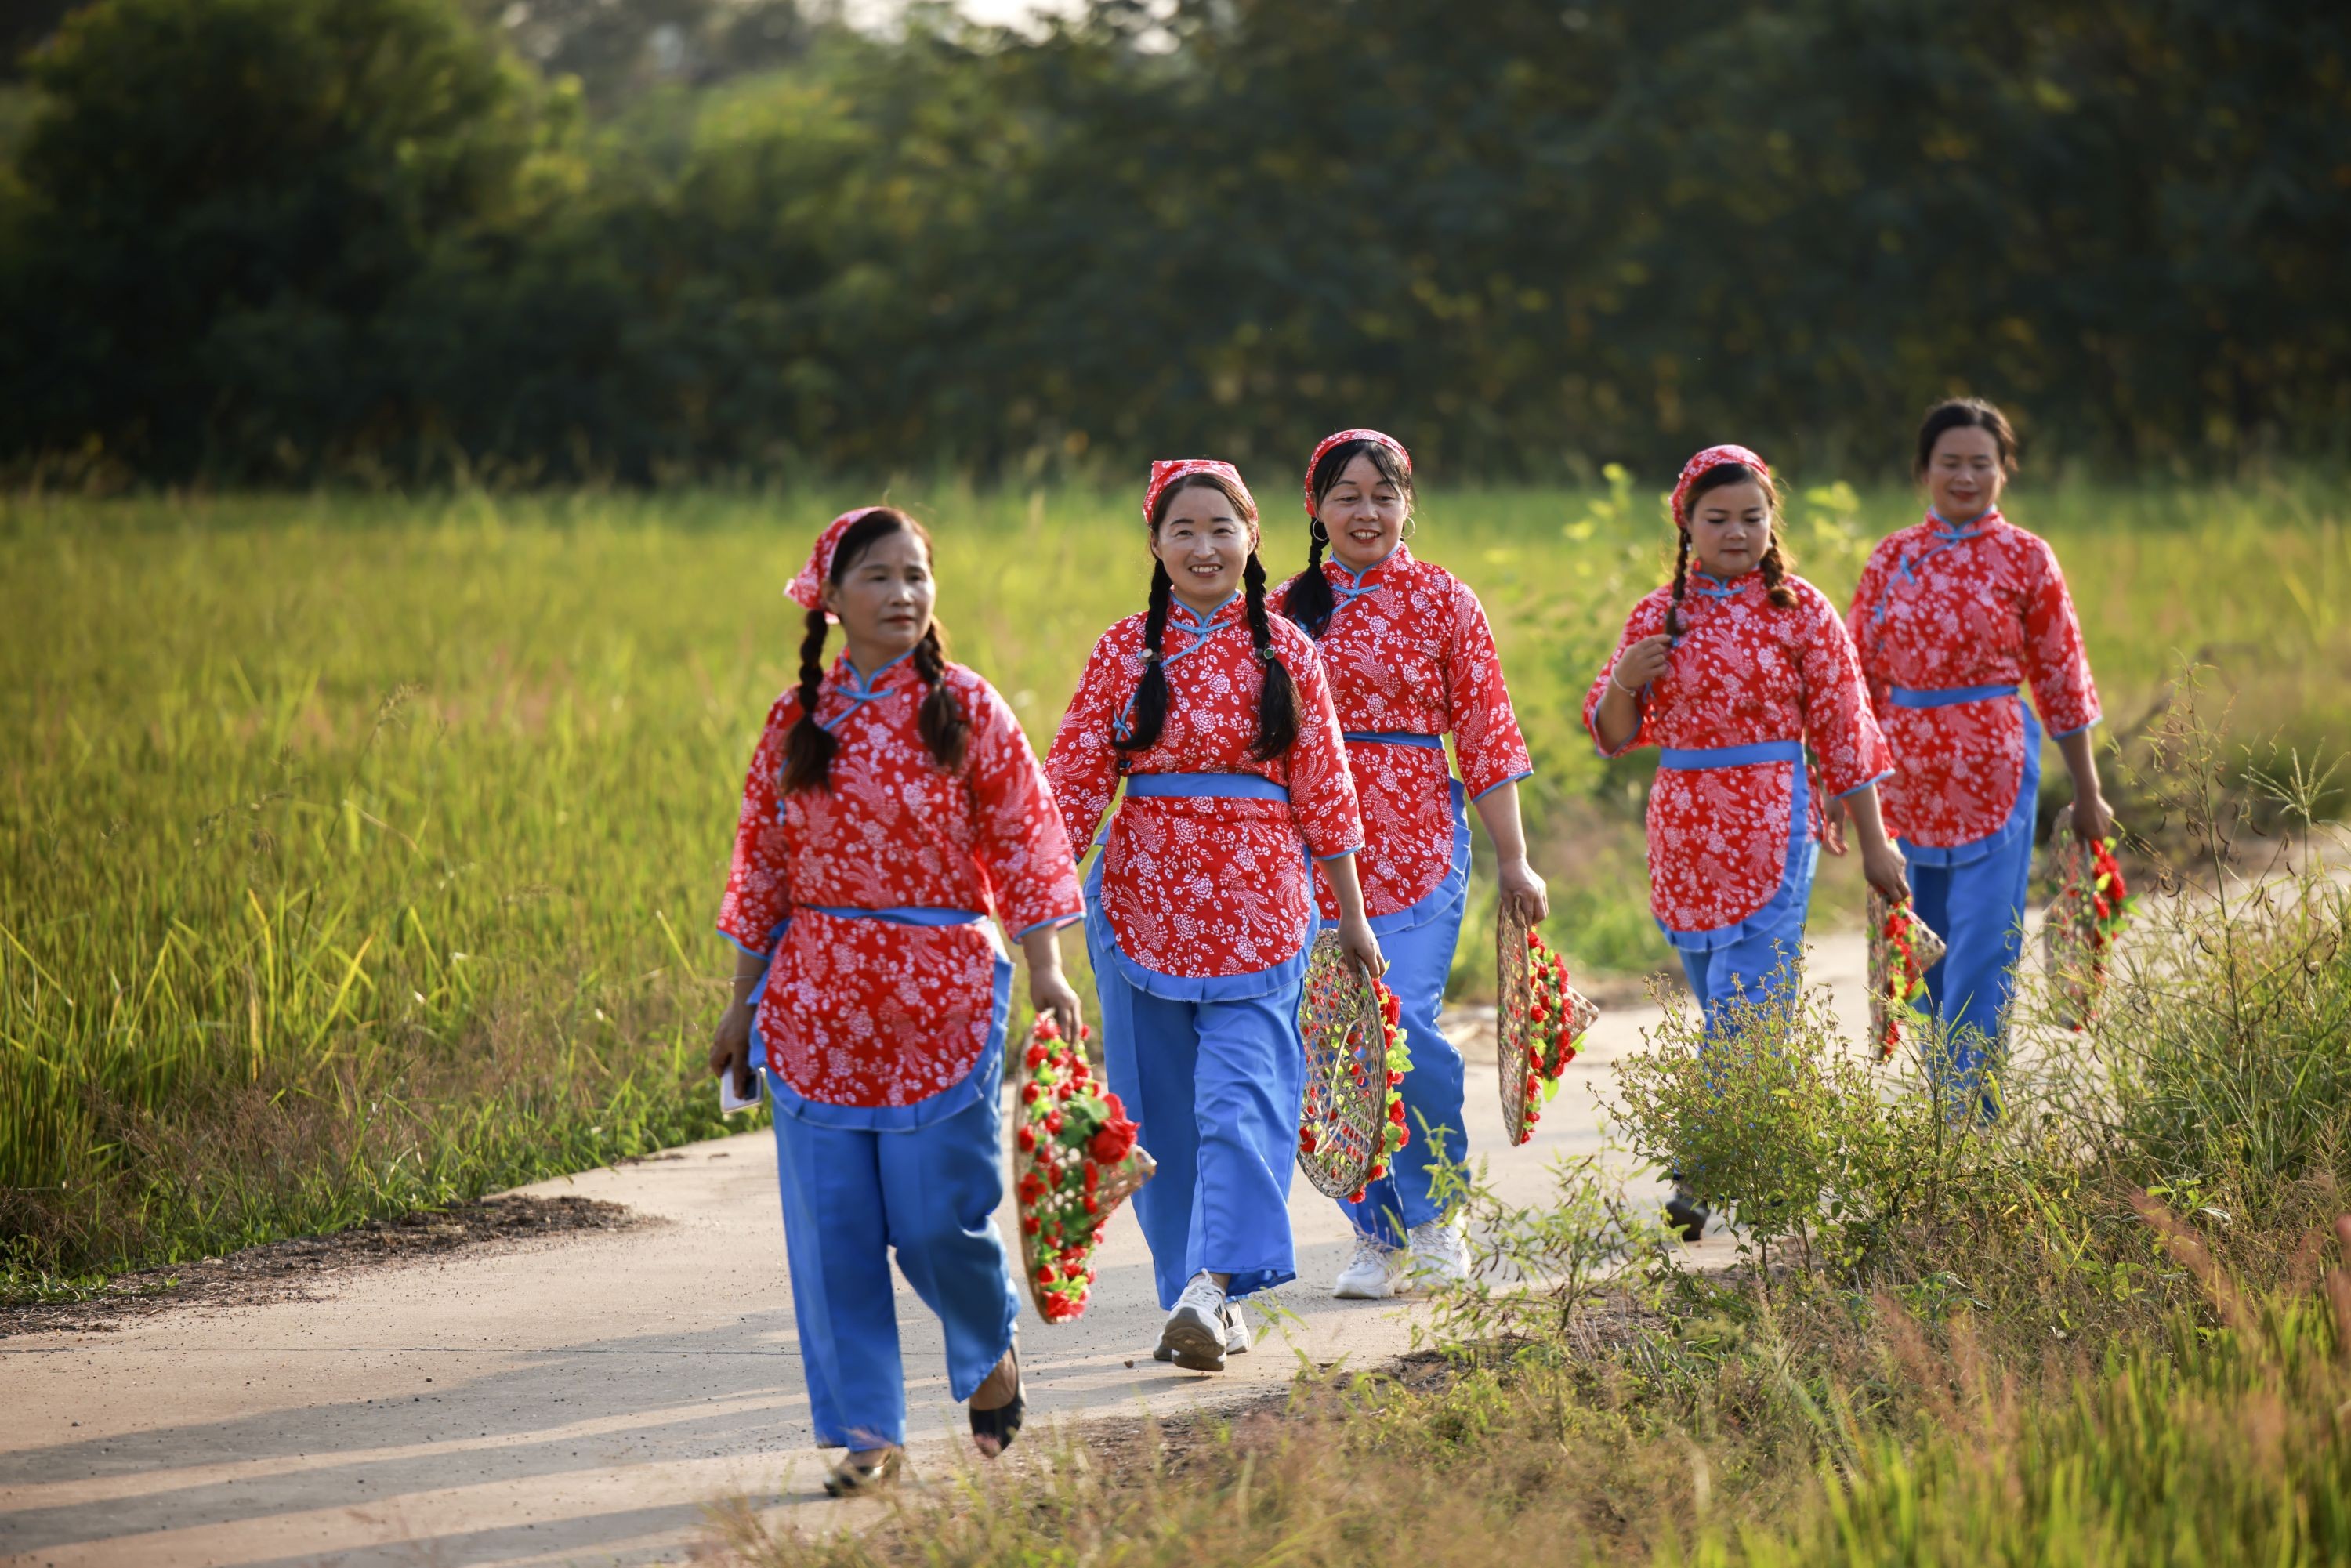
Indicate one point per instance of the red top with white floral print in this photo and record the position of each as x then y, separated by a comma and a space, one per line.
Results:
1744, 672
866, 1012
1942, 608
1206, 887
1408, 651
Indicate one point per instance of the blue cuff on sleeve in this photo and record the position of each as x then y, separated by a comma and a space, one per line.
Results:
1866, 784
1513, 779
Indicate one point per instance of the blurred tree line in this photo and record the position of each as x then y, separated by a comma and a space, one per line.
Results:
262, 240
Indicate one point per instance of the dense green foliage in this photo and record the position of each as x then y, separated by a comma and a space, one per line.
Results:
261, 239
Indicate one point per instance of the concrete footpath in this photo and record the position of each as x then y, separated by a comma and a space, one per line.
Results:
582, 1399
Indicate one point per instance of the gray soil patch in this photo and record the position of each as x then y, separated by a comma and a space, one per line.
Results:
284, 1271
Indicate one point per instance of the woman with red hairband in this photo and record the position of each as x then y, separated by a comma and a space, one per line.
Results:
1952, 615
1410, 659
893, 807
1730, 670
1199, 911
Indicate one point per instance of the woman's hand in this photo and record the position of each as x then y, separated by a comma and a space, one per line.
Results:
1881, 858
1358, 942
1883, 864
1525, 890
1832, 826
1643, 662
1051, 993
730, 1046
2093, 822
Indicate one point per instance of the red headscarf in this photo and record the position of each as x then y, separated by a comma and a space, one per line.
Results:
1712, 457
1340, 438
807, 589
1167, 471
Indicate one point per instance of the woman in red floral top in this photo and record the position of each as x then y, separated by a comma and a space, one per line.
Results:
1215, 715
1952, 616
1730, 670
893, 807
1410, 660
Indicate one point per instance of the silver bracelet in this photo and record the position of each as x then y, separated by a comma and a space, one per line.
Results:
1620, 685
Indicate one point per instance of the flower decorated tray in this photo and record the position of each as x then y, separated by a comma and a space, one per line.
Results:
1539, 1021
1902, 948
1075, 1160
2091, 906
1353, 1124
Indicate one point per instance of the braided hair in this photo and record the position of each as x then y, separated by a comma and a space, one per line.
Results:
946, 733
1776, 560
1307, 597
1276, 707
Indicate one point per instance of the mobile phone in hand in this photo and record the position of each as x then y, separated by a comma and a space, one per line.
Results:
730, 1102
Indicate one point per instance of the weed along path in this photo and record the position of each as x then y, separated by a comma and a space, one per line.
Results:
582, 1397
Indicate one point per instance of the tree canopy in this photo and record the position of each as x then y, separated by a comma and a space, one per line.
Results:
281, 240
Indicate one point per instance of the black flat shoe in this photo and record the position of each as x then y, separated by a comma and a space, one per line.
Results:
1001, 1425
852, 1479
1687, 1214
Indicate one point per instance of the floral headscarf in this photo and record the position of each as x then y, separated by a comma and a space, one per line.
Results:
807, 589
1167, 471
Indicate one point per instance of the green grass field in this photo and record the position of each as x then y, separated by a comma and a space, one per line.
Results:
358, 853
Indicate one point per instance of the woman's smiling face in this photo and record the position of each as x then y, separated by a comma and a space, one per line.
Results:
1363, 513
1964, 474
1729, 529
884, 598
1204, 543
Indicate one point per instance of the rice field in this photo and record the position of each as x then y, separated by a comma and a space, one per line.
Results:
359, 852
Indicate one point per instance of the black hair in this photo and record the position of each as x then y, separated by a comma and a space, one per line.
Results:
1307, 599
1966, 413
1776, 560
1277, 707
809, 749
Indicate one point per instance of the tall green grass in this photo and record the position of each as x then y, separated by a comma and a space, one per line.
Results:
359, 852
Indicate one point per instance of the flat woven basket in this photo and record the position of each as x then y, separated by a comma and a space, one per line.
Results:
1927, 950
1346, 1071
1513, 995
1518, 1033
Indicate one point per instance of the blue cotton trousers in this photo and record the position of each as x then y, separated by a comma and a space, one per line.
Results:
1764, 964
1216, 1088
851, 1197
1979, 910
1419, 961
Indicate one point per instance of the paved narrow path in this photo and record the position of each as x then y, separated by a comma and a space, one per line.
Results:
581, 1399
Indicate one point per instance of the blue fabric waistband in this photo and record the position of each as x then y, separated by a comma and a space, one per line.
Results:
1396, 738
1730, 756
1908, 697
1216, 786
902, 916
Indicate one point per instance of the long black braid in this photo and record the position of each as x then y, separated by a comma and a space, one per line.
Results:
1149, 714
944, 728
808, 751
1681, 585
1277, 703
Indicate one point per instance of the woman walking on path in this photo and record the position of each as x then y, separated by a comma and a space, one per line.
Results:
1410, 660
1952, 615
1215, 715
1730, 670
893, 807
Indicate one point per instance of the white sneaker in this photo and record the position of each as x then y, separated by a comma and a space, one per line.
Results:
1439, 1255
1371, 1274
1195, 1334
1236, 1335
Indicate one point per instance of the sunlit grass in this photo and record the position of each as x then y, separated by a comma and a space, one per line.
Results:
360, 852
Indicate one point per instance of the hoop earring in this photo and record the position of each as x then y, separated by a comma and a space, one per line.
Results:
1411, 527
1316, 532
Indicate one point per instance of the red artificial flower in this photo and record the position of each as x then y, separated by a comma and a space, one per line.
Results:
1114, 1142
1027, 1139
